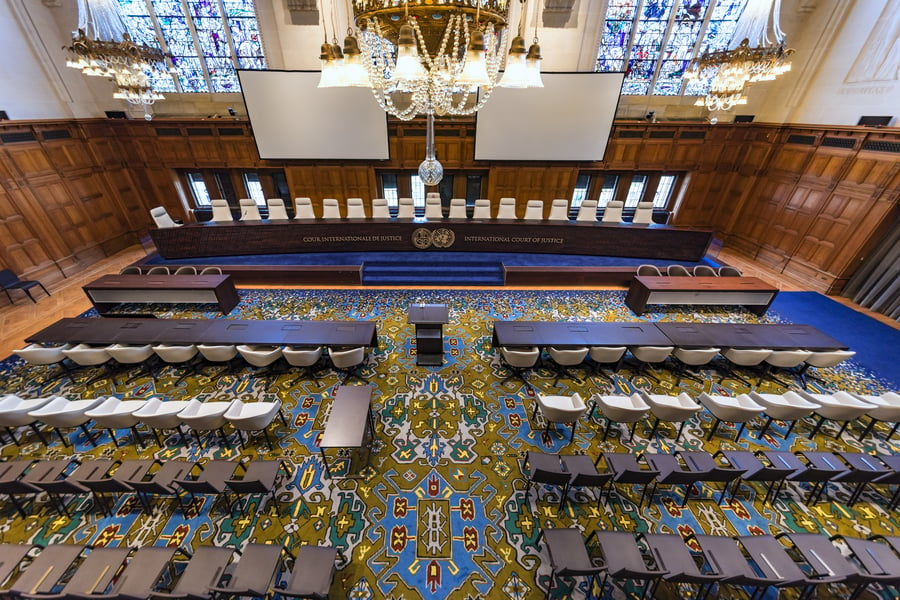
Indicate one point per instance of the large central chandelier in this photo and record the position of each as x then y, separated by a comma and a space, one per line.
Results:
756, 58
112, 53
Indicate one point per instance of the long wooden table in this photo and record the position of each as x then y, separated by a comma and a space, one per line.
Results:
350, 418
274, 332
756, 295
755, 335
563, 334
110, 290
378, 235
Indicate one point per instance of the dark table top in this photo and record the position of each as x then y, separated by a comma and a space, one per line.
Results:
428, 314
701, 284
349, 416
749, 335
573, 333
154, 282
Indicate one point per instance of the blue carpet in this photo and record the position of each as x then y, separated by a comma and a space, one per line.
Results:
875, 343
404, 271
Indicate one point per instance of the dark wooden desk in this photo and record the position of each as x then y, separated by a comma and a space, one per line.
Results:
574, 334
351, 413
749, 335
111, 290
209, 331
756, 295
429, 320
393, 235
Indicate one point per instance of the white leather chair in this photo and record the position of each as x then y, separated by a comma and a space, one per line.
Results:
677, 271
433, 207
62, 413
162, 219
305, 358
672, 409
406, 208
178, 356
303, 208
824, 360
620, 409
127, 355
559, 210
727, 271
607, 355
130, 270
114, 413
458, 209
565, 358
186, 270
743, 357
587, 212
692, 357
648, 271
206, 416
783, 359
38, 354
221, 212
482, 209
738, 409
887, 409
507, 209
649, 355
643, 213
254, 416
85, 355
560, 409
159, 416
249, 210
262, 357
534, 210
789, 407
613, 211
159, 270
14, 412
276, 209
355, 208
331, 209
348, 361
705, 271
432, 195
211, 271
380, 209
219, 354
839, 406
520, 361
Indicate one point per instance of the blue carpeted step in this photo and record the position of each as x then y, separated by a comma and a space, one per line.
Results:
446, 273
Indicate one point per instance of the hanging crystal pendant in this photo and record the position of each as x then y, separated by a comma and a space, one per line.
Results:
430, 171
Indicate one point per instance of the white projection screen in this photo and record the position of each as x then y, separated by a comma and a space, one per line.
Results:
294, 119
570, 118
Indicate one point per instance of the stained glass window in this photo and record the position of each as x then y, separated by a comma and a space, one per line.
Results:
653, 41
208, 40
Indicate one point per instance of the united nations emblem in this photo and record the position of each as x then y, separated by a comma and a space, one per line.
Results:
443, 238
422, 238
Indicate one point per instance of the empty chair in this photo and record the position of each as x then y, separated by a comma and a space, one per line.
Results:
221, 212
93, 575
218, 354
276, 209
458, 209
568, 555
102, 483
178, 356
46, 571
380, 209
691, 357
583, 473
545, 469
789, 407
159, 270
560, 409
11, 557
331, 209
671, 554
14, 412
520, 361
406, 208
482, 209
624, 560
159, 416
162, 219
613, 211
206, 416
211, 271
705, 271
254, 416
85, 355
160, 482
629, 469
507, 209
559, 210
355, 208
677, 271
887, 409
432, 195
827, 563
839, 406
348, 361
672, 409
204, 570
186, 270
303, 208
141, 575
564, 359
752, 468
305, 358
312, 573
823, 360
62, 413
773, 563
643, 213
649, 355
620, 409
249, 210
817, 468
114, 413
879, 562
740, 409
587, 212
39, 354
743, 357
132, 270
649, 271
607, 355
261, 477
433, 207
210, 481
63, 481
727, 271
255, 572
534, 210
782, 359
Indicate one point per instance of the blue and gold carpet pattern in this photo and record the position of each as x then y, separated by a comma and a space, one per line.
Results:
435, 507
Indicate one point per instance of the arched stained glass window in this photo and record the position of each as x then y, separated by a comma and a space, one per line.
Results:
653, 41
208, 40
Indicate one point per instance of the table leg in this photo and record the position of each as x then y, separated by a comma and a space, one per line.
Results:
325, 460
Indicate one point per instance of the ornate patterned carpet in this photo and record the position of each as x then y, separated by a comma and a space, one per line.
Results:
439, 510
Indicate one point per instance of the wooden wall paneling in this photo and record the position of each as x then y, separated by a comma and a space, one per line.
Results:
104, 220
359, 182
623, 152
302, 182
700, 201
206, 151
30, 161
21, 250
238, 151
871, 172
158, 188
174, 150
130, 203
659, 153
502, 183
759, 216
826, 166
791, 159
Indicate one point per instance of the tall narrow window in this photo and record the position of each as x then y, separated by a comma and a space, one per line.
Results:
418, 194
473, 189
582, 185
389, 190
608, 191
663, 191
198, 189
254, 188
635, 191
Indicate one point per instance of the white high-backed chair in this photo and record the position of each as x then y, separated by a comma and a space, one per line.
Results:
162, 219
114, 413
331, 209
643, 213
433, 207
839, 406
613, 211
348, 361
221, 213
206, 416
887, 409
249, 210
738, 409
560, 409
482, 209
520, 361
789, 407
559, 210
62, 413
159, 416
380, 209
673, 409
303, 208
534, 210
620, 409
38, 354
355, 209
14, 412
276, 209
587, 212
507, 209
824, 360
254, 416
458, 209
406, 208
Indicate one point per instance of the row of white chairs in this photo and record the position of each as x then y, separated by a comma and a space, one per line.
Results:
164, 270
113, 413
697, 271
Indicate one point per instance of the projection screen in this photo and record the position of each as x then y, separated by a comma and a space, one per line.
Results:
570, 118
294, 119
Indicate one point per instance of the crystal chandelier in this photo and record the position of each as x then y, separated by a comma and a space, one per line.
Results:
732, 70
430, 57
112, 53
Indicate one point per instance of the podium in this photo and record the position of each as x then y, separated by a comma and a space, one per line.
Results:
429, 320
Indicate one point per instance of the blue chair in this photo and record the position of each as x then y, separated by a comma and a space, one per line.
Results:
11, 281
